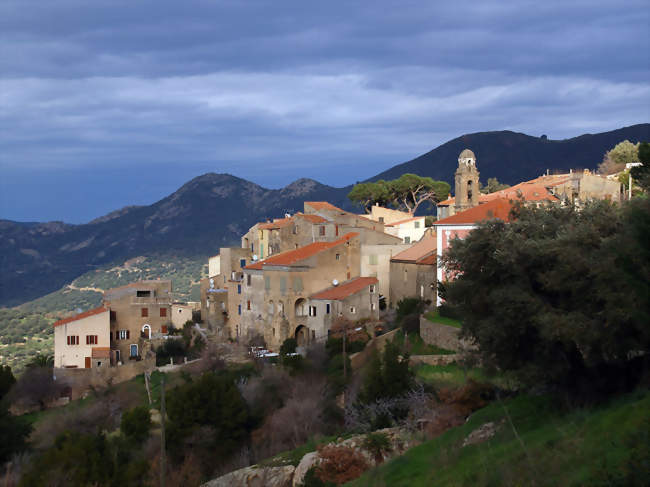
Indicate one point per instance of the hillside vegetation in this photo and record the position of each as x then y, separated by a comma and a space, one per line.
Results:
537, 443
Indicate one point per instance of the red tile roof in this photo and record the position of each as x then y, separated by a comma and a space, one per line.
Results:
322, 205
312, 218
497, 208
101, 352
345, 289
417, 251
81, 316
292, 256
277, 223
429, 260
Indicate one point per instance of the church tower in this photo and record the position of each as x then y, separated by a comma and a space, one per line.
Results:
466, 192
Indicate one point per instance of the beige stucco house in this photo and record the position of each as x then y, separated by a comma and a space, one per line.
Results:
83, 340
413, 272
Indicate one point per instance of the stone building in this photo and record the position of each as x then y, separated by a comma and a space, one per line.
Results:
413, 272
409, 230
138, 312
275, 291
355, 299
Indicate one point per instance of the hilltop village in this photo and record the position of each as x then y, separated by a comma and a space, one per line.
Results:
294, 276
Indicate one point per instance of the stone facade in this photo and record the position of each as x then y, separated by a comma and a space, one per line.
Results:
139, 312
466, 181
375, 262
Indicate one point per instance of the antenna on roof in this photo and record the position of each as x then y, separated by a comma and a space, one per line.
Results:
255, 257
335, 282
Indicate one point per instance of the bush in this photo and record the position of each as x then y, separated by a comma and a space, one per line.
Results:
172, 348
340, 464
136, 424
408, 306
411, 323
288, 346
377, 444
334, 346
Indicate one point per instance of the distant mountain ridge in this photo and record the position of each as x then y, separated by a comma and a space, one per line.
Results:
214, 210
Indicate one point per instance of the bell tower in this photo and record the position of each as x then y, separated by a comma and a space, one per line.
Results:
466, 192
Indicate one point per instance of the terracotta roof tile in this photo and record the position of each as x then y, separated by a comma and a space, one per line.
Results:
277, 223
292, 256
312, 218
345, 289
81, 316
428, 260
497, 208
417, 251
322, 205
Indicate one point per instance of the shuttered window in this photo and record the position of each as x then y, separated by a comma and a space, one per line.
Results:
73, 340
144, 312
163, 312
91, 339
283, 285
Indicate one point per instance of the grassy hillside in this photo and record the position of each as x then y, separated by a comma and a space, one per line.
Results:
26, 330
537, 444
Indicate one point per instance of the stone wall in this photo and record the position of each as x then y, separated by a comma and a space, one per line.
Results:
443, 336
359, 359
433, 359
80, 380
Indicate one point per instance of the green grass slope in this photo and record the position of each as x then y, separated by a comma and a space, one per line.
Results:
537, 444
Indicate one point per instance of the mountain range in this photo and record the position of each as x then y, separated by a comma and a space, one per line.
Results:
214, 210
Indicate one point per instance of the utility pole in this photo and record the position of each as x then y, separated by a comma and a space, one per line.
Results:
162, 431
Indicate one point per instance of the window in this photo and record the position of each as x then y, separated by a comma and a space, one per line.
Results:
312, 311
143, 294
73, 340
372, 289
122, 335
338, 256
163, 312
242, 263
283, 284
238, 288
313, 334
239, 309
297, 284
248, 279
336, 231
372, 259
407, 239
321, 231
353, 310
91, 339
327, 309
406, 275
133, 349
267, 283
417, 224
295, 230
144, 312
381, 219
248, 304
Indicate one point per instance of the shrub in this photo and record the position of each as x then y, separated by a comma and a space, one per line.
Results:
340, 464
408, 306
136, 424
377, 444
411, 323
172, 348
288, 346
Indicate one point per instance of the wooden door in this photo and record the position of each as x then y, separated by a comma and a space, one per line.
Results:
87, 362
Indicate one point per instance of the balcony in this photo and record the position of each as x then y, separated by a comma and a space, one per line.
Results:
151, 300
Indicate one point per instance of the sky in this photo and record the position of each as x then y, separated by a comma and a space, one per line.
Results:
108, 103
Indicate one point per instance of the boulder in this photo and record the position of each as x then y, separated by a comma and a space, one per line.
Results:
308, 461
255, 476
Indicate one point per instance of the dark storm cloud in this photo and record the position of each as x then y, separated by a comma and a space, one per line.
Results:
273, 91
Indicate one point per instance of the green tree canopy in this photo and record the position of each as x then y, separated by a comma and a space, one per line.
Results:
641, 174
406, 193
559, 296
492, 186
615, 159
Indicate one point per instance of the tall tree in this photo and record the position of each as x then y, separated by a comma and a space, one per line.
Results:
641, 174
406, 193
492, 186
615, 159
559, 296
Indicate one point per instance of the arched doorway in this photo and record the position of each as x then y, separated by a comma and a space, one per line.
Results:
300, 307
302, 335
146, 331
